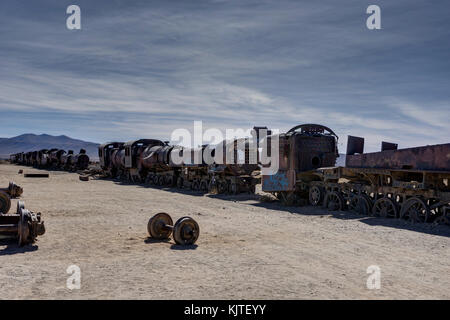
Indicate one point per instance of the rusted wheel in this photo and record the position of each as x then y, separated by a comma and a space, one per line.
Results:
415, 210
204, 186
334, 201
385, 208
186, 231
157, 226
180, 182
212, 186
23, 230
233, 188
316, 195
361, 204
5, 202
14, 190
442, 220
222, 186
195, 185
20, 205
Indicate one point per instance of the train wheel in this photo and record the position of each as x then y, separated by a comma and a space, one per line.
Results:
415, 210
186, 231
155, 180
288, 198
334, 201
385, 208
442, 220
156, 226
316, 194
161, 181
233, 188
195, 185
252, 189
169, 181
180, 182
204, 186
5, 203
222, 186
361, 204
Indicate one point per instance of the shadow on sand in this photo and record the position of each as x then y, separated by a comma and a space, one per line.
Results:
173, 246
13, 248
428, 228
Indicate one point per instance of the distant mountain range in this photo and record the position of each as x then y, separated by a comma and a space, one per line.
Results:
31, 142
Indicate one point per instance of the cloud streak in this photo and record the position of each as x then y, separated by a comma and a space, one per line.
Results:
144, 68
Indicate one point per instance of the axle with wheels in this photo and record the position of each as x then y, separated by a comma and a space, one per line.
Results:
24, 224
185, 231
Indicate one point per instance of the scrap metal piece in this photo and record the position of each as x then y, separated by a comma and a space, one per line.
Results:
355, 145
36, 175
388, 146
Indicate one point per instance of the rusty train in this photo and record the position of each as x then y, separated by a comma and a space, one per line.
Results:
53, 159
411, 184
152, 161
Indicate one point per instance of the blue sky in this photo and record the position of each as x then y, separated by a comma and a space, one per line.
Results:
144, 68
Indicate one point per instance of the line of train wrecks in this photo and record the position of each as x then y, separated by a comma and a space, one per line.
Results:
53, 158
411, 184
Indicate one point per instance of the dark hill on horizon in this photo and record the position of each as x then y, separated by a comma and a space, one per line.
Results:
31, 142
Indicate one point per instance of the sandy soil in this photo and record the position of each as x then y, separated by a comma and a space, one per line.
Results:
246, 250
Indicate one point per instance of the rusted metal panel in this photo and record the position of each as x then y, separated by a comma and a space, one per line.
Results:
435, 158
281, 181
355, 145
388, 146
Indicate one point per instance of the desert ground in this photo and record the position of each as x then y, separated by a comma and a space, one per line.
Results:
247, 249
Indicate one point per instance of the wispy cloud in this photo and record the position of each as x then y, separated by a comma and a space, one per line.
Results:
145, 68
